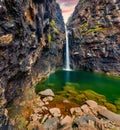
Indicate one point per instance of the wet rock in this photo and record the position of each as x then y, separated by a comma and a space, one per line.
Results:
55, 112
47, 92
51, 124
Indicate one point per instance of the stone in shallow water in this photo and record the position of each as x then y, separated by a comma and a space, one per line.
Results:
47, 92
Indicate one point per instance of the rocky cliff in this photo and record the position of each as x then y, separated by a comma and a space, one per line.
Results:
95, 34
31, 42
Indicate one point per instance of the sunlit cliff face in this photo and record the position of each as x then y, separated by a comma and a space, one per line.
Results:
67, 7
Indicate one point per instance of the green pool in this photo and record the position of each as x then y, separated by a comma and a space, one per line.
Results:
80, 85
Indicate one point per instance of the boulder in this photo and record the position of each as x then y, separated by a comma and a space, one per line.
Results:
110, 115
51, 124
47, 92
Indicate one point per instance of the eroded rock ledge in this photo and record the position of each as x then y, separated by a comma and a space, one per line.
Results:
31, 42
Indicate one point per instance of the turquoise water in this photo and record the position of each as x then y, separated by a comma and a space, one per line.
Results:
80, 81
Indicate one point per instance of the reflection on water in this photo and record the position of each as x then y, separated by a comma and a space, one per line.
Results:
82, 81
67, 77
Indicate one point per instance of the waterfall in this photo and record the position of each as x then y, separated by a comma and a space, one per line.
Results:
67, 66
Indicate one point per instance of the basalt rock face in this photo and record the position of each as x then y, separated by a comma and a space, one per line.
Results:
30, 46
95, 34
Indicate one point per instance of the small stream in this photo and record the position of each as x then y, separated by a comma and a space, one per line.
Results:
79, 86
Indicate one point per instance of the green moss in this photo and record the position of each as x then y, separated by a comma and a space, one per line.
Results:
117, 103
84, 25
49, 38
89, 94
110, 106
52, 23
54, 26
92, 30
80, 97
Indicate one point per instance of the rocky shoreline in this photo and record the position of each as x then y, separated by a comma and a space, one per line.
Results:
45, 116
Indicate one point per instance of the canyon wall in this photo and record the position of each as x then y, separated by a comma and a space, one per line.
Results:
95, 36
31, 42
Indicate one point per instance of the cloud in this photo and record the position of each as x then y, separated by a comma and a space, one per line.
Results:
67, 7
68, 2
66, 10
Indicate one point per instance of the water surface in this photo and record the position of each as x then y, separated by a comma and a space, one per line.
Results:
82, 81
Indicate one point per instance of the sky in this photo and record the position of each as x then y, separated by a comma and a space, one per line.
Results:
67, 7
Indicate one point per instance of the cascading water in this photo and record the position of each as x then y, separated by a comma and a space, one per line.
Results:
67, 67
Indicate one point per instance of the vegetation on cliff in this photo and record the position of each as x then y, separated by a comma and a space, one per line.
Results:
95, 36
